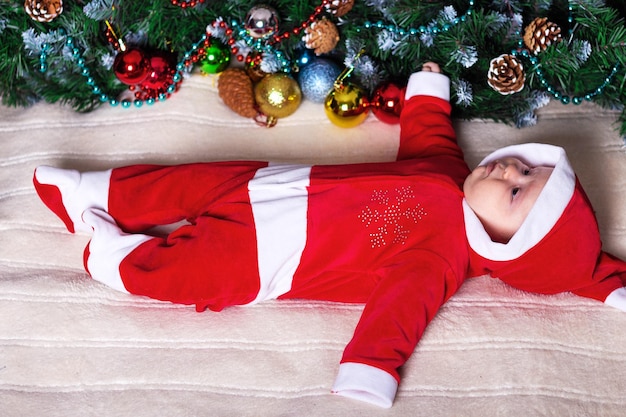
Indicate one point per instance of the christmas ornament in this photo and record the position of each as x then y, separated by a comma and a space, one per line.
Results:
253, 66
317, 79
216, 58
43, 10
506, 74
141, 96
540, 34
160, 74
321, 36
277, 95
261, 21
131, 66
339, 8
346, 105
235, 89
387, 102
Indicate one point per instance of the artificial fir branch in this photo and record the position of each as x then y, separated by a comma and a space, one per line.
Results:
593, 43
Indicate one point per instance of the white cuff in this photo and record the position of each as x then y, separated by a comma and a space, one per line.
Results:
365, 383
617, 299
425, 83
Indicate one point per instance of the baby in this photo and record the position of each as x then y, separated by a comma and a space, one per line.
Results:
399, 236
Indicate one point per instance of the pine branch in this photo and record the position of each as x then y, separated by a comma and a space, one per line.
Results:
410, 33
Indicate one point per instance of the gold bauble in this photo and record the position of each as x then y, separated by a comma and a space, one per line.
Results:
346, 105
277, 95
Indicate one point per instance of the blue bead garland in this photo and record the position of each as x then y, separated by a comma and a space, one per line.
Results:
564, 98
421, 29
96, 90
43, 56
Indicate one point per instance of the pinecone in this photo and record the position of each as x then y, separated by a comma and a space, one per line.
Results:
540, 34
506, 74
321, 36
43, 10
235, 89
339, 7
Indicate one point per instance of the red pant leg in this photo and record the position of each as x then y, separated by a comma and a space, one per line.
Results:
211, 263
142, 196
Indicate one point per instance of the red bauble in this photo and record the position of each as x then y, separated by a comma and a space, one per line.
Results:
160, 72
387, 102
131, 66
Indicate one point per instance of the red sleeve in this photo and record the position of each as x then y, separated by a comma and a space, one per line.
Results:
426, 129
398, 311
608, 276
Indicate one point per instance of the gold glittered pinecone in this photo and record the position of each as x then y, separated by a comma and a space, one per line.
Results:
339, 8
540, 34
506, 74
43, 10
322, 36
235, 89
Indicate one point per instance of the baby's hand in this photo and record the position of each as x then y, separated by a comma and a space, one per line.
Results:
431, 67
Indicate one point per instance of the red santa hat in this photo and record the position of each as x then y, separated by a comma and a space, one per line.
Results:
557, 248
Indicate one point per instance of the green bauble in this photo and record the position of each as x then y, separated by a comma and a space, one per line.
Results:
217, 58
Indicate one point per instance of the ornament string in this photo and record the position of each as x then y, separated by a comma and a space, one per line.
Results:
118, 43
186, 3
338, 84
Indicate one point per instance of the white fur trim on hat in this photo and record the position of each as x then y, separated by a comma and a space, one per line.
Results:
546, 211
425, 83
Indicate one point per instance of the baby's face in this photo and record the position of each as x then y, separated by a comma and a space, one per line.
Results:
502, 193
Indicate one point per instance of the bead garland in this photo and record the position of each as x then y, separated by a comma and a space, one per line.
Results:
564, 98
259, 45
421, 29
186, 3
187, 60
235, 31
276, 38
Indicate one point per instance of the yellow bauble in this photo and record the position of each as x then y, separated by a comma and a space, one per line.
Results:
346, 105
277, 95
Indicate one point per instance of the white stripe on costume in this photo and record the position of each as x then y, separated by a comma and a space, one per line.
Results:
279, 198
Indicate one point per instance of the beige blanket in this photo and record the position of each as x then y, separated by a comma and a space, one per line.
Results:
72, 347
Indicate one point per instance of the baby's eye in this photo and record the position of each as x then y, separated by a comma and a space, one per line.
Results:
526, 171
515, 191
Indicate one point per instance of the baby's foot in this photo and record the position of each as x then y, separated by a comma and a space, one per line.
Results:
107, 248
68, 193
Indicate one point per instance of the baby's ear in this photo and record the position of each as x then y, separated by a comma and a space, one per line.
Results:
617, 299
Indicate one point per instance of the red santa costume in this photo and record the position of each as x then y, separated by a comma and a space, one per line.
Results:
391, 235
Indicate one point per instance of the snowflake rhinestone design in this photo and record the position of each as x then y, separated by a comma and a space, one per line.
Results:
391, 215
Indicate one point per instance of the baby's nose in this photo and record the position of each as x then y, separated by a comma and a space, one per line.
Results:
509, 169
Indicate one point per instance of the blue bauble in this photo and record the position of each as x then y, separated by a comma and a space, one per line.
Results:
317, 79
